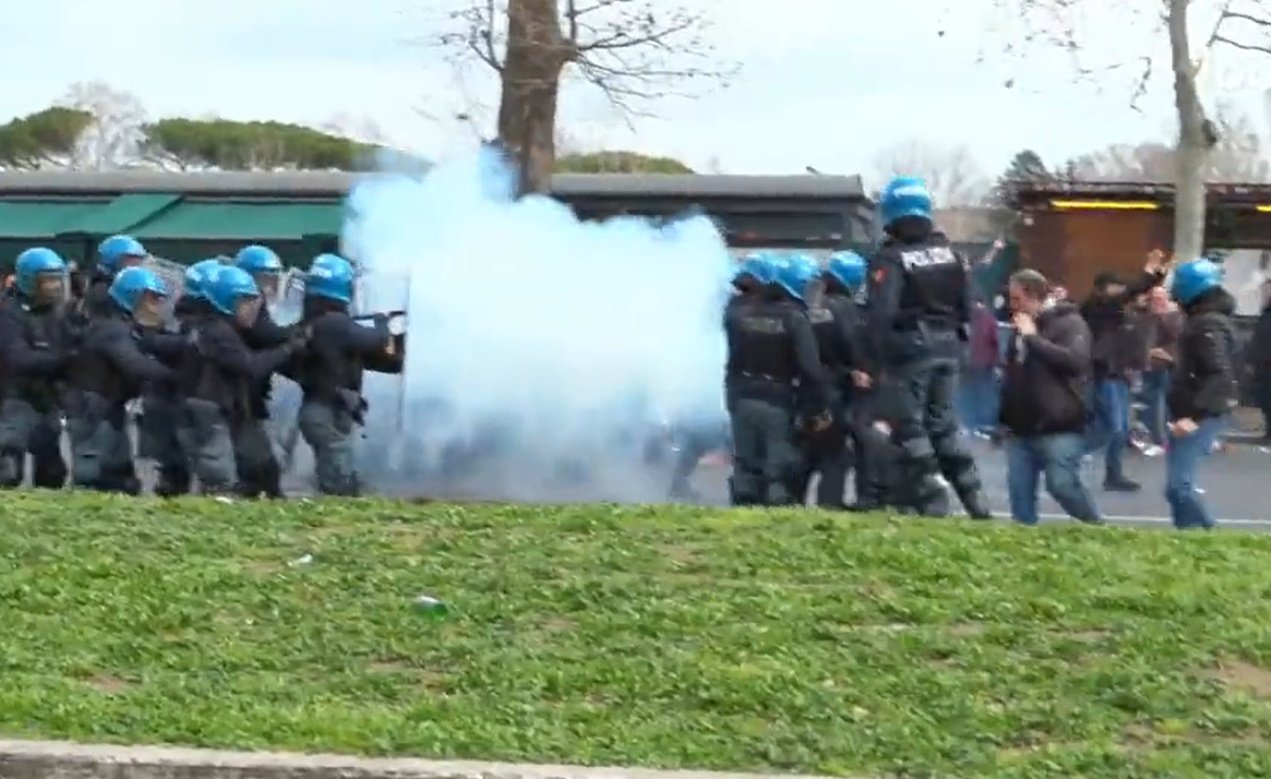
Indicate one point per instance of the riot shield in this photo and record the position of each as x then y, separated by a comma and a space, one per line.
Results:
172, 274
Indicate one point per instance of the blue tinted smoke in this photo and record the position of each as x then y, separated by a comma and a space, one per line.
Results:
547, 356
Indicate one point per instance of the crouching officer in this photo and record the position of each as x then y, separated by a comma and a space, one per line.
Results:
919, 310
35, 349
258, 468
772, 365
109, 370
219, 378
330, 372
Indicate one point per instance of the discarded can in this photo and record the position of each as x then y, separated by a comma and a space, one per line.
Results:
433, 607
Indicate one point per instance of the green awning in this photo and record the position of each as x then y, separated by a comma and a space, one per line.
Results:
126, 212
45, 219
263, 221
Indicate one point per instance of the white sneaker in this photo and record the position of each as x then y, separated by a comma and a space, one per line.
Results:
1152, 450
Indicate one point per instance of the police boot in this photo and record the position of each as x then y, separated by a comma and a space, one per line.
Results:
12, 468
172, 482
976, 505
930, 497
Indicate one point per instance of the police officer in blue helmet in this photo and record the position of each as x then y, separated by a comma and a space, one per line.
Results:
266, 269
825, 451
1203, 389
919, 312
772, 378
330, 371
35, 349
845, 276
111, 369
220, 379
113, 255
158, 428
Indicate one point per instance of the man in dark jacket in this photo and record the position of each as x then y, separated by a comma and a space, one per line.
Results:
1044, 391
1258, 360
1202, 389
1113, 354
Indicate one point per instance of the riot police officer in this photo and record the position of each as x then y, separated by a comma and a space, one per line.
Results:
111, 369
331, 370
113, 255
919, 310
220, 379
157, 435
844, 287
35, 349
707, 428
773, 367
258, 469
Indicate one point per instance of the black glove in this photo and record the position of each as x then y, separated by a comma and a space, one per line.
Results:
298, 341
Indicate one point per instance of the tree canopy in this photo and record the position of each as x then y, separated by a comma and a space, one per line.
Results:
231, 145
43, 139
619, 162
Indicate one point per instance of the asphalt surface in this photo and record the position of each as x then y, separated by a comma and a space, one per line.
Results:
1235, 482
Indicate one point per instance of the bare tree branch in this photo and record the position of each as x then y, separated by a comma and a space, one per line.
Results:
634, 52
952, 174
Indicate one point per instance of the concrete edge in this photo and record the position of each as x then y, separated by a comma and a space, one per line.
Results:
67, 760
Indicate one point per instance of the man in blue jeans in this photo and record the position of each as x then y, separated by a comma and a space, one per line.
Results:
1044, 390
1114, 352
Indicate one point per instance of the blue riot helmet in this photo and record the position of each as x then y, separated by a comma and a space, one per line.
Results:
1195, 278
796, 276
40, 274
119, 251
848, 269
904, 196
264, 265
330, 277
754, 271
233, 292
140, 293
197, 276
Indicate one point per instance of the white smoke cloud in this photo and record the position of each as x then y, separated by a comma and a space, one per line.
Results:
542, 349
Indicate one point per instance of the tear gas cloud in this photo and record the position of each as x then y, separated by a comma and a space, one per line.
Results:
546, 355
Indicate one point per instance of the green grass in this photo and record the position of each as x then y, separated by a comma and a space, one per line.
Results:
663, 638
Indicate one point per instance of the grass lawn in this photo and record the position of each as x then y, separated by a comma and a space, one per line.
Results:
656, 637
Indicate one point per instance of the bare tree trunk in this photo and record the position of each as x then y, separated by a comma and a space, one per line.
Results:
536, 54
1193, 145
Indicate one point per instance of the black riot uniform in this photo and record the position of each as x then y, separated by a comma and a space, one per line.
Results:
111, 368
35, 349
920, 304
219, 383
826, 452
773, 365
259, 472
330, 373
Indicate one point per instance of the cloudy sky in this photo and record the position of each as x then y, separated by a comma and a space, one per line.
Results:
825, 83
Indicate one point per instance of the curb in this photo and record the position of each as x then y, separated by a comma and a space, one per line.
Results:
66, 760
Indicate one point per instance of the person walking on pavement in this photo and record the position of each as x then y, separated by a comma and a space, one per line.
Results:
1203, 388
1105, 314
1045, 392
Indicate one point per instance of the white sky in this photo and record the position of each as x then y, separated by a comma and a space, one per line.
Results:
825, 83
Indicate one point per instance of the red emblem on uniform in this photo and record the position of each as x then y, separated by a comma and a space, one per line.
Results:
879, 275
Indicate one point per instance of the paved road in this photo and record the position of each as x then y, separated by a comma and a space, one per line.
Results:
1235, 483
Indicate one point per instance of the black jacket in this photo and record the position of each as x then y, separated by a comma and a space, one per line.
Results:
1113, 345
1258, 352
1047, 376
1204, 380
